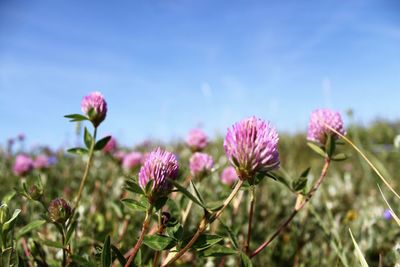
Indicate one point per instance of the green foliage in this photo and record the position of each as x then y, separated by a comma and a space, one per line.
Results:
109, 218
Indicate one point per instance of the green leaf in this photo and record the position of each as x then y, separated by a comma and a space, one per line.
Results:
176, 231
78, 151
160, 202
280, 179
8, 225
27, 228
330, 145
187, 193
50, 243
87, 138
231, 234
339, 157
245, 260
218, 251
102, 143
119, 255
138, 259
133, 186
134, 204
5, 257
76, 117
317, 149
205, 241
196, 191
299, 184
159, 242
10, 195
106, 253
305, 172
70, 232
359, 254
215, 206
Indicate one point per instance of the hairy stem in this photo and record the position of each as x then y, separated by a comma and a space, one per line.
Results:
86, 173
251, 214
204, 223
299, 205
139, 242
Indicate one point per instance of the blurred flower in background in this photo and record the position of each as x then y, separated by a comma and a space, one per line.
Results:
200, 164
23, 165
196, 140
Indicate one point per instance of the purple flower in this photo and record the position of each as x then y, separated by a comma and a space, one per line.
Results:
111, 146
200, 164
251, 146
317, 130
23, 165
229, 176
387, 215
95, 107
41, 162
52, 160
132, 160
196, 140
21, 137
159, 166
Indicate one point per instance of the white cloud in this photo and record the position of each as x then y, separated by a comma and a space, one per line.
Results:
206, 90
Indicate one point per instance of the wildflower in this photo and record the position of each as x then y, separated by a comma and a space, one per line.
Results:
95, 107
41, 162
23, 165
59, 210
387, 215
131, 160
159, 166
251, 146
200, 164
317, 129
197, 140
229, 175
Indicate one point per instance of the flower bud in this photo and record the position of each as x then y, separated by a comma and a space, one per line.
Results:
95, 107
35, 192
165, 218
59, 210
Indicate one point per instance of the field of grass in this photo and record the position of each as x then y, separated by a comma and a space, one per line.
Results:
104, 228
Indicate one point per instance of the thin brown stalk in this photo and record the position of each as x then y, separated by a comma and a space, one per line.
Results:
300, 203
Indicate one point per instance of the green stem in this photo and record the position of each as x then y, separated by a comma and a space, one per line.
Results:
145, 226
61, 229
160, 231
86, 173
251, 214
206, 220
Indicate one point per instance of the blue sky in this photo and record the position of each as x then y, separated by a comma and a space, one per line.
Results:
168, 66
